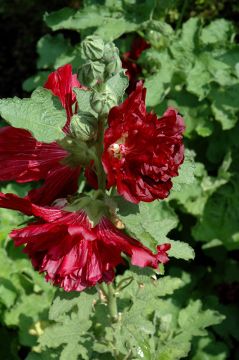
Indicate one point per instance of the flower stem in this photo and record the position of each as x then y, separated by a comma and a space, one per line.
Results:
99, 148
112, 303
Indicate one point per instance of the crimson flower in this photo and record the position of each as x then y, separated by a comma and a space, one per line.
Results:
141, 152
70, 251
129, 61
24, 159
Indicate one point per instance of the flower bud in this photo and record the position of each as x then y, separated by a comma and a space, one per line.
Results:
102, 102
93, 47
113, 67
83, 126
111, 52
91, 73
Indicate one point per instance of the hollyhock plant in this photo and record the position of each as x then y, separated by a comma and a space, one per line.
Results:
24, 159
80, 233
72, 252
141, 152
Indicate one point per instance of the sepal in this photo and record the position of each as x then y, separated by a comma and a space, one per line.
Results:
102, 102
94, 206
84, 126
78, 152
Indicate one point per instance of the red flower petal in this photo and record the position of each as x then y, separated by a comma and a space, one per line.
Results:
14, 202
61, 82
140, 255
60, 182
25, 159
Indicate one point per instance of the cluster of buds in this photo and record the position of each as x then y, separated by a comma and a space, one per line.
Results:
102, 61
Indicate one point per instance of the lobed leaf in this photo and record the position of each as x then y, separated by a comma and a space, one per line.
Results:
40, 114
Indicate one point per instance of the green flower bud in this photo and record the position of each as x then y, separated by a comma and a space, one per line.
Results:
91, 73
93, 47
111, 52
102, 102
113, 67
83, 126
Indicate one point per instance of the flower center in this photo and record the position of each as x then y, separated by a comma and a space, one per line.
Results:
118, 149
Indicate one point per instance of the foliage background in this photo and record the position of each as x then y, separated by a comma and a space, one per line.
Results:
193, 65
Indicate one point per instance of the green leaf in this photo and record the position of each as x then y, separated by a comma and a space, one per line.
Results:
39, 114
193, 197
180, 250
112, 28
66, 302
144, 286
71, 313
195, 320
66, 18
59, 19
149, 223
230, 56
73, 350
220, 217
36, 80
205, 71
198, 80
185, 44
159, 84
225, 105
176, 348
218, 32
197, 115
83, 100
7, 293
50, 48
118, 84
59, 334
207, 348
186, 171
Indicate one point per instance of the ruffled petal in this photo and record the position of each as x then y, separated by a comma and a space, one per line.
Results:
66, 254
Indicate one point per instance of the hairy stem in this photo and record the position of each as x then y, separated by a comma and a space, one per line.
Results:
112, 303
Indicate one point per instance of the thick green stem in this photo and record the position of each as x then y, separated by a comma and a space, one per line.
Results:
112, 303
99, 149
